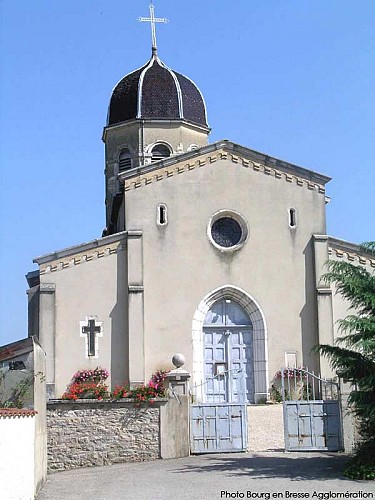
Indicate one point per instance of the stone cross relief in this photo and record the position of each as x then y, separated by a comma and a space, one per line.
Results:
91, 329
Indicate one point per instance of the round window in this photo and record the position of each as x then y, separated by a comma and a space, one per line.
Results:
227, 230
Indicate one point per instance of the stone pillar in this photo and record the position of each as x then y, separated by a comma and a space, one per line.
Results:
324, 300
349, 429
40, 443
47, 332
175, 416
136, 318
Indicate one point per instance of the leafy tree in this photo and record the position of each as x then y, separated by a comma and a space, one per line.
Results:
353, 354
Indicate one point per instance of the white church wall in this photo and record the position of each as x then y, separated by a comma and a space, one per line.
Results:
93, 283
275, 265
17, 454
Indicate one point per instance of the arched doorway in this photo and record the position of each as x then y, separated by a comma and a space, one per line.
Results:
246, 309
228, 353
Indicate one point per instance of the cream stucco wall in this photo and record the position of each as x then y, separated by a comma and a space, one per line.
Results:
89, 283
181, 266
147, 283
344, 252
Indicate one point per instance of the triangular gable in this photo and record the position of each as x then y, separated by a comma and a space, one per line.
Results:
223, 151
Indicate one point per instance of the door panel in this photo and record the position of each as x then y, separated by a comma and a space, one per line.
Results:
231, 349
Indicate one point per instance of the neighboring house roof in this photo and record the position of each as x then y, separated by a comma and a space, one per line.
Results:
33, 278
9, 351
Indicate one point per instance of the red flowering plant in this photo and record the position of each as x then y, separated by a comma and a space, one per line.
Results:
145, 392
119, 392
86, 390
88, 384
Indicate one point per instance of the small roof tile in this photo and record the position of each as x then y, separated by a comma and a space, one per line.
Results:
16, 412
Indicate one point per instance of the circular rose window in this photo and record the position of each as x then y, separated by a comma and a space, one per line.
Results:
227, 230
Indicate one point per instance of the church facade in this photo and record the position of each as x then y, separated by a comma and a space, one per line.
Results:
214, 251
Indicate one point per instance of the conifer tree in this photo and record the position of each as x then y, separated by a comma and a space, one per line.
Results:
353, 354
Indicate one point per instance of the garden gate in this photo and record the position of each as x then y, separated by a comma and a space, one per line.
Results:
312, 413
219, 426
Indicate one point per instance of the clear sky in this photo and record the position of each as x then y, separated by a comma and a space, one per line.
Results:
291, 78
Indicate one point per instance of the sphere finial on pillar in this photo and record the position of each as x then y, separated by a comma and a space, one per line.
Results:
178, 360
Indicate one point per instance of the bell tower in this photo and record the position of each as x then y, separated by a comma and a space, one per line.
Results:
154, 113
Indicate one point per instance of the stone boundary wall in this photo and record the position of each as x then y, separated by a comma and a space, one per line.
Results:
88, 433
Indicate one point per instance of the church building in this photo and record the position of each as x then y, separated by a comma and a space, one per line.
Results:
211, 250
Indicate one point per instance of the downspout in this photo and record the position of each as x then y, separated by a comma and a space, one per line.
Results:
142, 144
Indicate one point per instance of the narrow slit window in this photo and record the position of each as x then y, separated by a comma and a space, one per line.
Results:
162, 219
292, 217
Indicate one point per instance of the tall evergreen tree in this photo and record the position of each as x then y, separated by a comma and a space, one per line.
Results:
353, 355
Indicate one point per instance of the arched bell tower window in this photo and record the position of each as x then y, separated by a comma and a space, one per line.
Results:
160, 152
125, 160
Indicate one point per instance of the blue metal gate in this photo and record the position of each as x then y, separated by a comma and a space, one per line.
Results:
312, 413
218, 428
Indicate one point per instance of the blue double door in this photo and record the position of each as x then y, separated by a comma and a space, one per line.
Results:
228, 353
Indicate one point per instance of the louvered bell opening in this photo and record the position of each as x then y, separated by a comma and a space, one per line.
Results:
125, 160
160, 152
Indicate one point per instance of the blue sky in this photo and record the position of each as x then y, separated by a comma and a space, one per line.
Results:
292, 78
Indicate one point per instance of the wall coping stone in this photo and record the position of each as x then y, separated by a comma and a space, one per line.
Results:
87, 246
68, 404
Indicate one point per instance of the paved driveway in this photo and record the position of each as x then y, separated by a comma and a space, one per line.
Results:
206, 477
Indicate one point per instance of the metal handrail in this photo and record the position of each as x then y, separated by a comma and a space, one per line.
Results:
313, 386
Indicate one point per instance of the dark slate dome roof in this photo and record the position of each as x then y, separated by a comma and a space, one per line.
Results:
156, 92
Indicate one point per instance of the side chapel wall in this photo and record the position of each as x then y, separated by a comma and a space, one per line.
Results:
92, 282
342, 251
346, 252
